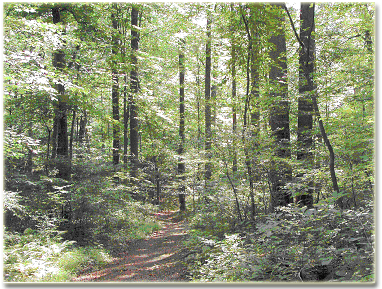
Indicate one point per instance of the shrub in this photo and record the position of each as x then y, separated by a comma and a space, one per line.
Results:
213, 221
44, 257
287, 242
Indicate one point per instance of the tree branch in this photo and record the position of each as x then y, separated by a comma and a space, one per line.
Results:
245, 23
293, 27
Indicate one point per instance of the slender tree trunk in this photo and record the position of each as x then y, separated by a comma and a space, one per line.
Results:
305, 106
255, 95
368, 41
82, 130
330, 149
115, 91
279, 117
62, 164
207, 95
213, 107
245, 136
234, 120
235, 193
77, 130
181, 165
47, 150
29, 164
198, 109
250, 134
157, 180
234, 126
71, 135
125, 124
54, 134
134, 138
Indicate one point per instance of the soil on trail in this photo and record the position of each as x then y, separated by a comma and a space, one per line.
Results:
155, 259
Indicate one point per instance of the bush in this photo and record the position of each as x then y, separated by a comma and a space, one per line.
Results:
213, 222
287, 242
44, 257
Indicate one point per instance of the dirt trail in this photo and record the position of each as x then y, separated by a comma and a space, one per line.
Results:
155, 259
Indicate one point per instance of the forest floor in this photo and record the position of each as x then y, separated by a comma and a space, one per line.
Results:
154, 259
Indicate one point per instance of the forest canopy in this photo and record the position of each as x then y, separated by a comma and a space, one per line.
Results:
255, 120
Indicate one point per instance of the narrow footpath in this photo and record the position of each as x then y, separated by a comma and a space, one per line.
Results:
155, 259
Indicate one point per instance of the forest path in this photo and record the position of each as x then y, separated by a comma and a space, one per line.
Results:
154, 259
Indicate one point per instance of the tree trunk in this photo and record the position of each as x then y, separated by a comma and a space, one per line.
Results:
214, 89
310, 83
305, 106
115, 90
157, 180
82, 130
234, 120
62, 163
54, 134
207, 95
47, 151
320, 123
181, 165
125, 124
246, 135
198, 109
280, 171
134, 138
71, 135
251, 97
330, 149
29, 163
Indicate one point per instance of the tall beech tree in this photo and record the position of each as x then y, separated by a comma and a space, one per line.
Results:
61, 125
310, 83
182, 138
251, 110
233, 92
305, 106
115, 86
279, 114
134, 87
207, 96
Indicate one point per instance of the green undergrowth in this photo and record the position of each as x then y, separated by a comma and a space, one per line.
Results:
276, 247
41, 256
55, 230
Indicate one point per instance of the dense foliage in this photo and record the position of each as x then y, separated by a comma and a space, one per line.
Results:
113, 111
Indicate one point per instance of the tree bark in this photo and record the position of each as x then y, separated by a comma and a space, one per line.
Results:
125, 124
181, 165
305, 106
134, 86
280, 171
207, 95
54, 134
82, 130
198, 109
62, 163
48, 150
115, 90
234, 104
71, 135
29, 163
250, 132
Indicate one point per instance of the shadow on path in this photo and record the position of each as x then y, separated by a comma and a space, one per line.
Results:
154, 259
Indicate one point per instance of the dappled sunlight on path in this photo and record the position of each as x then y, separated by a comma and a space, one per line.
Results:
154, 259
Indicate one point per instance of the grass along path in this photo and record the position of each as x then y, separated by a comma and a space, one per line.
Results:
154, 259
